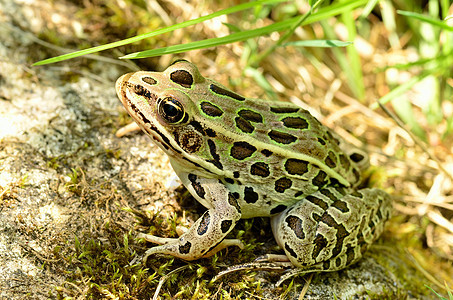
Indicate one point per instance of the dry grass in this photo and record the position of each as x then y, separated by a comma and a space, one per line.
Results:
416, 172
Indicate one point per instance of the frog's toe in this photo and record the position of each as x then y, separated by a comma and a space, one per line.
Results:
272, 258
155, 239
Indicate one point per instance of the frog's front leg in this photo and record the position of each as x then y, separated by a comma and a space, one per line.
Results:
207, 235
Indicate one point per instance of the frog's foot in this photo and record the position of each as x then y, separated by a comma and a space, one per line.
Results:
173, 246
272, 258
155, 239
282, 260
291, 273
268, 262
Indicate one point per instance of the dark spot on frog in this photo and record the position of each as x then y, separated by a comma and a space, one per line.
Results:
338, 262
149, 80
210, 132
199, 190
236, 174
225, 225
250, 196
299, 193
295, 122
278, 209
229, 180
357, 194
204, 224
317, 201
266, 152
356, 157
282, 137
320, 179
260, 169
244, 125
341, 233
214, 154
242, 150
141, 91
320, 243
184, 249
216, 163
334, 182
197, 126
329, 194
211, 109
295, 223
251, 116
296, 166
341, 190
284, 110
331, 160
341, 206
316, 217
290, 251
182, 77
224, 92
379, 214
350, 255
232, 200
282, 184
371, 225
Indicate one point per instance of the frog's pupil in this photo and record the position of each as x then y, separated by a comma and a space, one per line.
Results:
171, 110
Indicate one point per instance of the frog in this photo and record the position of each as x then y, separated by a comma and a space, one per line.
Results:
245, 158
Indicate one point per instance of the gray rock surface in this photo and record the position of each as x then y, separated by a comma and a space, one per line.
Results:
52, 128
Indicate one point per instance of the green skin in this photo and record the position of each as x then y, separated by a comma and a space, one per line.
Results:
244, 158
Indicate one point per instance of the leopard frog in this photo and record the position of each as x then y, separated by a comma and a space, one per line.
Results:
244, 158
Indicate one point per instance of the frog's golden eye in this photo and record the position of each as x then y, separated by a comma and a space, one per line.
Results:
171, 110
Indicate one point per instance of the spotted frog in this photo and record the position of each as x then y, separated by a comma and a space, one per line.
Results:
245, 158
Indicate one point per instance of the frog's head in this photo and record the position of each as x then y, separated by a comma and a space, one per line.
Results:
164, 104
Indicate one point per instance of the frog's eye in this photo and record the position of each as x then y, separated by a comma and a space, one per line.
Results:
171, 110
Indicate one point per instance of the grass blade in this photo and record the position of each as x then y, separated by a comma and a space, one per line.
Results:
229, 10
323, 13
426, 19
318, 43
235, 37
401, 89
356, 82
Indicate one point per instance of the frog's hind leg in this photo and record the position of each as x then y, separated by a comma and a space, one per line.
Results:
330, 229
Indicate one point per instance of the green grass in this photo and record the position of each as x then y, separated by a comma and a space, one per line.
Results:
323, 13
408, 27
449, 293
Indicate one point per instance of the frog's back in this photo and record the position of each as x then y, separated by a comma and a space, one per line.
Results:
286, 138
